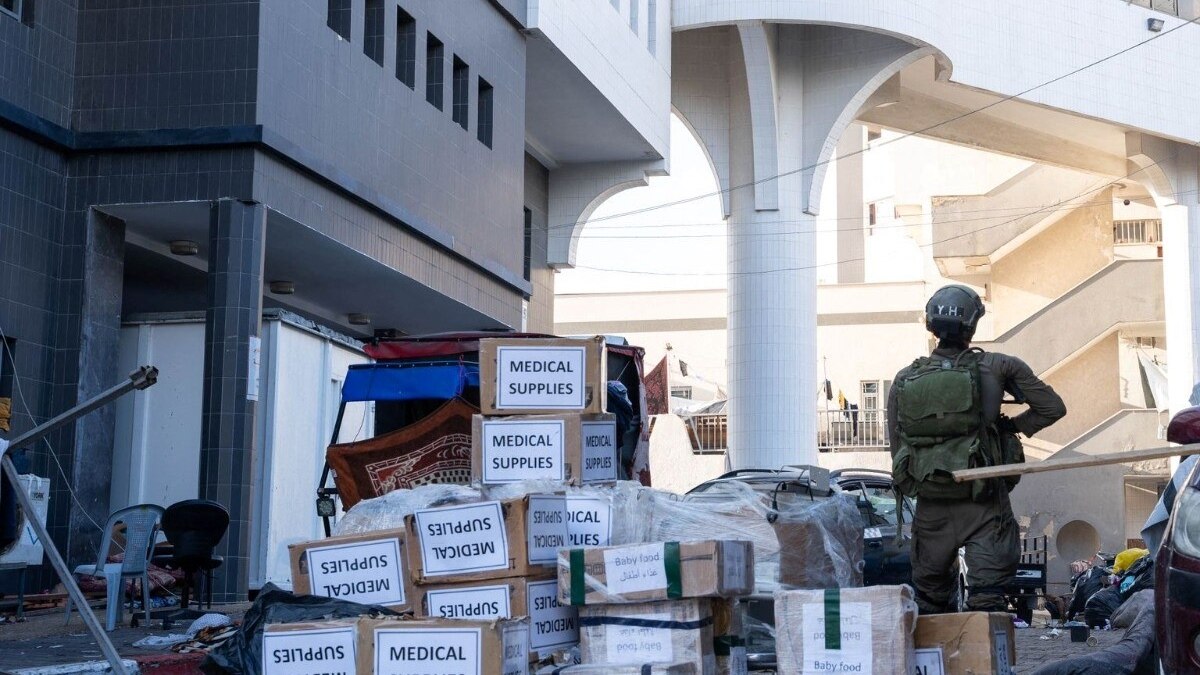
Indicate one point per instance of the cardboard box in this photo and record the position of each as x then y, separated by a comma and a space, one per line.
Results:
469, 542
669, 631
608, 669
306, 648
423, 647
970, 642
657, 571
527, 447
552, 626
567, 447
566, 521
366, 568
542, 375
848, 630
601, 449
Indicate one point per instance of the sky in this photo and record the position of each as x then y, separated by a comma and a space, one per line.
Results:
677, 247
681, 239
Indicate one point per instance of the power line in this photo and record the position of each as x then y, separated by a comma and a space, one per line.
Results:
1003, 99
863, 259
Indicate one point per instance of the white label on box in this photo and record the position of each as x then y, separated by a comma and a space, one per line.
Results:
631, 569
738, 663
368, 572
734, 574
302, 652
639, 644
572, 521
457, 539
516, 649
428, 651
517, 450
1000, 648
599, 451
551, 378
929, 661
476, 602
855, 656
551, 624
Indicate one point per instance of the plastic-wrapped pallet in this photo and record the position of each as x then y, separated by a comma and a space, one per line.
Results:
662, 570
849, 630
734, 510
388, 511
664, 632
807, 528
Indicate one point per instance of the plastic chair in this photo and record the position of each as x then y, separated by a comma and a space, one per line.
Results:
141, 528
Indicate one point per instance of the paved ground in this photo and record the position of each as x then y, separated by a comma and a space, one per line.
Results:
43, 640
1033, 651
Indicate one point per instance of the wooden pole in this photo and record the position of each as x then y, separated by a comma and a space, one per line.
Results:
1080, 462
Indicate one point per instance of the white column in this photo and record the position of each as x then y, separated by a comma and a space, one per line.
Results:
1181, 295
772, 281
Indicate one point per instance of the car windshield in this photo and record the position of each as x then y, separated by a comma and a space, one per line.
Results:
785, 491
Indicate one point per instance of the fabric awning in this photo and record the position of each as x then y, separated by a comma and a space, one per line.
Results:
409, 381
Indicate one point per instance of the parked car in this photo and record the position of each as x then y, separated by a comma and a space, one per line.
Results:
1177, 567
886, 561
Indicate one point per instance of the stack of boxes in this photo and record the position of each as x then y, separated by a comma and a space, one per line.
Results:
464, 569
660, 607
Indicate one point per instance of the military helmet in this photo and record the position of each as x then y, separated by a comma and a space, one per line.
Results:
953, 311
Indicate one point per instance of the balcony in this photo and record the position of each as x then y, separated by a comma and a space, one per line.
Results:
1127, 232
843, 430
837, 431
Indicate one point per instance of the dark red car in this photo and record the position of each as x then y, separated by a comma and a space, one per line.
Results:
1177, 568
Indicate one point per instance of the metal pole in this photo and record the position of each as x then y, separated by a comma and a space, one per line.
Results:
139, 379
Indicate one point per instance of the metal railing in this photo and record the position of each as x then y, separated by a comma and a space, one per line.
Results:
1147, 231
836, 430
708, 433
845, 429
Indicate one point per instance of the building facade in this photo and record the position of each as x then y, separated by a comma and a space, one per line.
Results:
345, 167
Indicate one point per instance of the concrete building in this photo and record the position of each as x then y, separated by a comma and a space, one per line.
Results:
1076, 290
771, 87
242, 191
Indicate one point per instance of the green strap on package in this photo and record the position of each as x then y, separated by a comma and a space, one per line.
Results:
671, 563
833, 619
578, 587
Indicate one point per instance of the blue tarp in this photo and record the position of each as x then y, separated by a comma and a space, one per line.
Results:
409, 381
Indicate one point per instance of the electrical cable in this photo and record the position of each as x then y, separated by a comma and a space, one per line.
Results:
1002, 99
863, 259
54, 455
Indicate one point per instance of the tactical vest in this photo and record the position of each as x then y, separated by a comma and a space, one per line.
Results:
942, 427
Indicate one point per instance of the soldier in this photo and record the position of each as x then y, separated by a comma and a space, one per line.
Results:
944, 415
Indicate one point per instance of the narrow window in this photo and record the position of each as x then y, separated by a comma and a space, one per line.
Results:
460, 112
652, 25
373, 31
483, 122
12, 7
633, 15
528, 243
338, 17
434, 70
406, 48
872, 216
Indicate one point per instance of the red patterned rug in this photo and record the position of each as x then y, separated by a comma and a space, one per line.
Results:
436, 449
